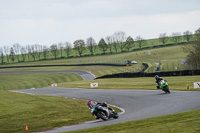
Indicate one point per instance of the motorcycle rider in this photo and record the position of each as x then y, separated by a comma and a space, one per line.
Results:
158, 79
91, 104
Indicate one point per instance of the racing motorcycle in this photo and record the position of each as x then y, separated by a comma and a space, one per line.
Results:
104, 112
164, 86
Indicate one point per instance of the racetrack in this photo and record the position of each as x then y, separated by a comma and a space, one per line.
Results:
138, 104
85, 75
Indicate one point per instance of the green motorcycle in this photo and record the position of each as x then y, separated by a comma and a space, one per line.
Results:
164, 86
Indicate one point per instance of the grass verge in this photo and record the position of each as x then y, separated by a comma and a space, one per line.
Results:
34, 80
186, 122
175, 83
39, 112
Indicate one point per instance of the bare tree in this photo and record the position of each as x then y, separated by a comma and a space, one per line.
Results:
163, 38
38, 50
115, 45
23, 53
120, 38
28, 47
54, 50
79, 46
12, 54
109, 40
193, 58
7, 52
17, 49
90, 42
68, 48
187, 35
176, 37
129, 43
33, 51
45, 51
140, 41
2, 55
197, 34
61, 47
102, 45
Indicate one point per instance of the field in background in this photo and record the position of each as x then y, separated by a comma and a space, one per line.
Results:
149, 43
170, 58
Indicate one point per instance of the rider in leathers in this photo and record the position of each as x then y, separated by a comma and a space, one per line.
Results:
91, 104
158, 79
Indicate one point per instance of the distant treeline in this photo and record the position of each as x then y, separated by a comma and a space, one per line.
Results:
116, 43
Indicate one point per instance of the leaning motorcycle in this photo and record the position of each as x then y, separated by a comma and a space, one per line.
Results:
104, 113
164, 86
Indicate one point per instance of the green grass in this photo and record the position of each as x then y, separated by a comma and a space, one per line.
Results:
38, 80
169, 57
149, 43
166, 53
97, 70
186, 122
175, 83
45, 112
39, 112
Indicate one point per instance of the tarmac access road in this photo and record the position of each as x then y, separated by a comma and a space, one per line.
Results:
138, 104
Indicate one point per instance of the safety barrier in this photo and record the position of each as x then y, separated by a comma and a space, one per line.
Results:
162, 74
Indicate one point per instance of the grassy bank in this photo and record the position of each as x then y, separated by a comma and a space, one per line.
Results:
169, 57
187, 122
39, 112
149, 44
38, 80
175, 83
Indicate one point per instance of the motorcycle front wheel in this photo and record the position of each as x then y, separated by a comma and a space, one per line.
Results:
115, 115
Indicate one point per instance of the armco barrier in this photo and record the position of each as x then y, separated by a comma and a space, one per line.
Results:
162, 74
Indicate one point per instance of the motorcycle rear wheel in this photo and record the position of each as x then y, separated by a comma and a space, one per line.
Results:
166, 89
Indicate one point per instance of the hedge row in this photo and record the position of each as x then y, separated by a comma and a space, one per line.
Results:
162, 74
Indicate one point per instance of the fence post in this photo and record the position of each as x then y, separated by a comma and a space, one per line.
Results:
188, 87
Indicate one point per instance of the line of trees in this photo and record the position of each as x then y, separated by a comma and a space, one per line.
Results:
193, 50
118, 42
19, 53
176, 37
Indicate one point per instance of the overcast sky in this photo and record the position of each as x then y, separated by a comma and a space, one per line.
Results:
52, 21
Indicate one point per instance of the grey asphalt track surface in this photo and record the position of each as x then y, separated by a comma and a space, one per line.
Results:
85, 75
138, 104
